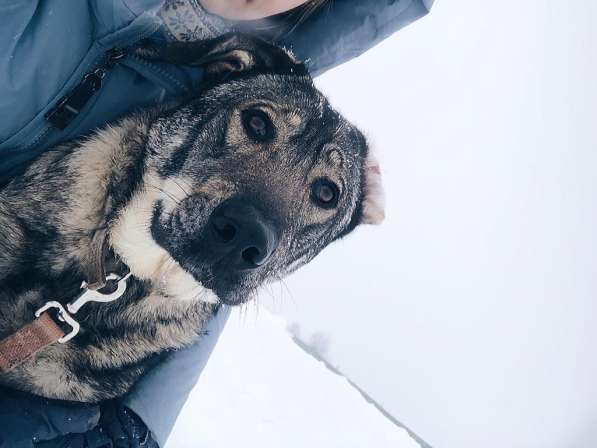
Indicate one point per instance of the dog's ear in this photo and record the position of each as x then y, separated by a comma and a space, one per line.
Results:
228, 55
373, 202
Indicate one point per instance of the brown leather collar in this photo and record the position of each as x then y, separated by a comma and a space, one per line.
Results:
28, 340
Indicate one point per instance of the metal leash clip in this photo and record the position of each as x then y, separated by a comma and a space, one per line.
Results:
90, 295
63, 316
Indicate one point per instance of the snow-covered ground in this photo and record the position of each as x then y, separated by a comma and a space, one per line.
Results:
262, 390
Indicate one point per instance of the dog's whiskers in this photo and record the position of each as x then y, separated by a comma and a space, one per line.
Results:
176, 200
175, 182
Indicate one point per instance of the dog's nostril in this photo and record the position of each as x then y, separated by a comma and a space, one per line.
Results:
224, 229
251, 255
227, 232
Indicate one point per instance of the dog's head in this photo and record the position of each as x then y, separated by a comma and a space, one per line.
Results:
253, 178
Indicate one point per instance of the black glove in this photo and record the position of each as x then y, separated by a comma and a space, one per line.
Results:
119, 427
124, 427
26, 419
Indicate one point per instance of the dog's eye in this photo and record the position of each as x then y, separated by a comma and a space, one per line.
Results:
258, 125
325, 193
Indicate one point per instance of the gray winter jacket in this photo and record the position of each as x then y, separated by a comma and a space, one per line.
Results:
48, 47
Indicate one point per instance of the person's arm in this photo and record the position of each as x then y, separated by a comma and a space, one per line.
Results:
160, 395
344, 30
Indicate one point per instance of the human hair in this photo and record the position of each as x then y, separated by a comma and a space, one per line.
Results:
278, 26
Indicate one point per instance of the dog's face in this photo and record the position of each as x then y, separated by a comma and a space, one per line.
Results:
257, 175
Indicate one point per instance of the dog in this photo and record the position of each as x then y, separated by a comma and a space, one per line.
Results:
201, 201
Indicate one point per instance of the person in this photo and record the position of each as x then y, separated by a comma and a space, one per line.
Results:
66, 68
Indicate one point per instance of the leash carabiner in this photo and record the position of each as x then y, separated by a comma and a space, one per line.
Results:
91, 295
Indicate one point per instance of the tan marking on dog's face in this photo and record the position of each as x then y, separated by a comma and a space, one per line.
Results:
334, 156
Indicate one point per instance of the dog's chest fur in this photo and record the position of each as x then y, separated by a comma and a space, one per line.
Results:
49, 222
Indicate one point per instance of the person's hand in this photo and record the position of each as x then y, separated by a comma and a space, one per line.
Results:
118, 427
124, 428
26, 419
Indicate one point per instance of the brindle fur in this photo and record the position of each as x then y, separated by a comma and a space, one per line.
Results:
144, 188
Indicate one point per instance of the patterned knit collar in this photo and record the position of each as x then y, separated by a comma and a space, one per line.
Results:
186, 20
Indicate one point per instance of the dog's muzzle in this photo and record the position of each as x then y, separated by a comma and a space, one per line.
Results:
241, 238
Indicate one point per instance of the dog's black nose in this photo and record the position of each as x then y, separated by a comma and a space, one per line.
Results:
242, 235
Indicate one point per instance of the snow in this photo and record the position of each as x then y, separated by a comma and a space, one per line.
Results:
261, 389
470, 314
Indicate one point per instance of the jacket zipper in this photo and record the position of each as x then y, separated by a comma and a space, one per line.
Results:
70, 105
167, 80
47, 126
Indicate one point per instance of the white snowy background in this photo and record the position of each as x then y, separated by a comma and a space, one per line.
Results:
470, 314
260, 389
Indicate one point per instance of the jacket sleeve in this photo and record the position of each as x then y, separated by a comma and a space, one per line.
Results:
160, 395
343, 30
